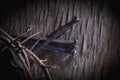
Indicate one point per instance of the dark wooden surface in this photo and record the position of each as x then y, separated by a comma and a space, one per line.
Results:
97, 54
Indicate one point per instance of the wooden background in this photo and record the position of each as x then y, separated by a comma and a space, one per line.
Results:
97, 54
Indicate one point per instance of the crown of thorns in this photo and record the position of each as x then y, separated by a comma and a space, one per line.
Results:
23, 53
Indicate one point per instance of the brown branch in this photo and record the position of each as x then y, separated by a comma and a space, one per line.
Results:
30, 37
20, 47
40, 62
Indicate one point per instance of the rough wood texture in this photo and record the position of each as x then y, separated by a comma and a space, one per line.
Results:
97, 34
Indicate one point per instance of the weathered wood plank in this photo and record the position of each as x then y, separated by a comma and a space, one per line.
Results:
97, 35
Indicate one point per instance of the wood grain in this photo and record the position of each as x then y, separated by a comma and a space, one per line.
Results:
97, 34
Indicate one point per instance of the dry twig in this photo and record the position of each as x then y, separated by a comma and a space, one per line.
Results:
18, 49
22, 55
